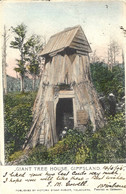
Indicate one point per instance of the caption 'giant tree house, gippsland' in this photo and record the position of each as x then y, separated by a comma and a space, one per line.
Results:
66, 96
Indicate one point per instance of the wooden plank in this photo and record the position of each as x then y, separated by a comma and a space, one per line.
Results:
69, 70
50, 108
81, 49
61, 69
55, 52
82, 117
81, 36
82, 53
76, 70
80, 46
56, 69
80, 41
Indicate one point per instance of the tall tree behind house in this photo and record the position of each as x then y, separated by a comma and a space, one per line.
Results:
113, 52
32, 48
18, 43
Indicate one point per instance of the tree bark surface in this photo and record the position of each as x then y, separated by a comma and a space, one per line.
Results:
63, 70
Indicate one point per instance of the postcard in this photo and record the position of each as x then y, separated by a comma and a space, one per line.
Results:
62, 94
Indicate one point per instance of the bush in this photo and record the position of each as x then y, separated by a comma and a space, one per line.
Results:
107, 145
18, 118
38, 155
106, 81
64, 152
82, 154
15, 156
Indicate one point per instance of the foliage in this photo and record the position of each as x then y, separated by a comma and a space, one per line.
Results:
38, 155
21, 69
107, 145
106, 81
15, 156
18, 43
82, 154
20, 32
32, 48
13, 84
65, 150
29, 49
18, 118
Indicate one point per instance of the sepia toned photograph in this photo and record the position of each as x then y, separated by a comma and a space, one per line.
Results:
63, 82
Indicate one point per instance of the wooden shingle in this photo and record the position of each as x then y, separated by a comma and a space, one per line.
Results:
73, 38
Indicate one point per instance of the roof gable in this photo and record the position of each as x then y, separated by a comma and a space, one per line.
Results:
71, 37
80, 42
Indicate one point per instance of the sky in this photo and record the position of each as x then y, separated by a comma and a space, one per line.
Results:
100, 20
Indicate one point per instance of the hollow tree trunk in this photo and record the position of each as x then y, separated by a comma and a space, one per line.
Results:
81, 91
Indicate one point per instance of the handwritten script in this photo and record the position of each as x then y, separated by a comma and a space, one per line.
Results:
65, 178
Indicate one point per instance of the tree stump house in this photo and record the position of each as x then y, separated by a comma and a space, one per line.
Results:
66, 96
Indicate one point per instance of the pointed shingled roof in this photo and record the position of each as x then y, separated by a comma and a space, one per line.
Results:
73, 37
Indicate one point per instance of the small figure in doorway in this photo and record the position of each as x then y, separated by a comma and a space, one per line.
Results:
63, 133
112, 104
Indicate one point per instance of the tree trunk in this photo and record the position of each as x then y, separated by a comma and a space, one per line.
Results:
4, 79
4, 62
114, 58
33, 82
122, 57
22, 83
85, 101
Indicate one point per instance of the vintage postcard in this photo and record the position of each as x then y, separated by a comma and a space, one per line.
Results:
63, 96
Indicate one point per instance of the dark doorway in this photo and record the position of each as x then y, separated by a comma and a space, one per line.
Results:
64, 115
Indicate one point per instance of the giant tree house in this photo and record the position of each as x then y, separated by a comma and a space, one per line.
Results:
66, 96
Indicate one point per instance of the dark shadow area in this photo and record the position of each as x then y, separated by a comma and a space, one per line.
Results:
64, 115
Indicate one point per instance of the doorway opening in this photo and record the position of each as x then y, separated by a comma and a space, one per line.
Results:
64, 115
